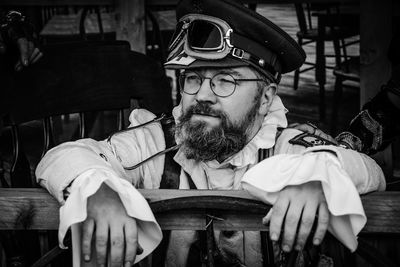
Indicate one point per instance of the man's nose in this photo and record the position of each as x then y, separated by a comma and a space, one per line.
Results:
205, 93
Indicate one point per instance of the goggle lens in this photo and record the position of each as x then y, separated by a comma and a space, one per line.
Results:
203, 35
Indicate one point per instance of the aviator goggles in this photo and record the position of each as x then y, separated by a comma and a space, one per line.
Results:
209, 38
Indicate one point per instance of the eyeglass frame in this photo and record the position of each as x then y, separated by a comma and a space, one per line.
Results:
202, 78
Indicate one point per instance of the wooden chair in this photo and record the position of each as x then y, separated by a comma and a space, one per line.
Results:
79, 78
67, 23
346, 71
332, 26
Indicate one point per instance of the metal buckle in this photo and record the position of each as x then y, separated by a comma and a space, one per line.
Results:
227, 38
239, 53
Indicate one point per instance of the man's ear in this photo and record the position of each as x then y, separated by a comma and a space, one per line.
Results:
267, 97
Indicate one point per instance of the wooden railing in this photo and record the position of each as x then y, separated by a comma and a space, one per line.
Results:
35, 209
186, 209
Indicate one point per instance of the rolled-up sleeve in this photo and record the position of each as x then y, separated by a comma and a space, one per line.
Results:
64, 163
364, 172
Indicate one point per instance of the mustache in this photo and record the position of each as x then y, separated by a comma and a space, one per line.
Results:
203, 109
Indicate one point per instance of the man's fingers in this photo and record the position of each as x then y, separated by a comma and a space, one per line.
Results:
36, 57
277, 217
18, 66
320, 133
291, 222
87, 229
101, 243
306, 223
311, 129
131, 243
307, 128
267, 217
2, 45
293, 125
117, 245
31, 48
23, 47
33, 54
323, 221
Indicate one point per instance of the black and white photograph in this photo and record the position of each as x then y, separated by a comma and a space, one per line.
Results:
199, 133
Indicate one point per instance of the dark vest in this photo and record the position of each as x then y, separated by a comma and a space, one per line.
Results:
170, 180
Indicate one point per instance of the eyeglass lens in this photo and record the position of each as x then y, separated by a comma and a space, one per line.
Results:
222, 84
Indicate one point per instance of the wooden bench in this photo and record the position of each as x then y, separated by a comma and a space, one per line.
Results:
35, 209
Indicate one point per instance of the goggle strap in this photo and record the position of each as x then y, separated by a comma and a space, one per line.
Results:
259, 56
243, 55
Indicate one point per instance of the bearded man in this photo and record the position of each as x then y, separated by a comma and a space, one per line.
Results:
231, 60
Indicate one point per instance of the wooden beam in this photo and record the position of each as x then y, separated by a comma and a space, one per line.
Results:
57, 2
148, 2
174, 2
36, 209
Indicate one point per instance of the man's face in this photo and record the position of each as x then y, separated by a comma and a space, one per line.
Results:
214, 127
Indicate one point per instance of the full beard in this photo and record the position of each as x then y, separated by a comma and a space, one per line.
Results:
201, 143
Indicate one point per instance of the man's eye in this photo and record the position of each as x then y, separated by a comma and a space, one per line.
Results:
192, 78
227, 81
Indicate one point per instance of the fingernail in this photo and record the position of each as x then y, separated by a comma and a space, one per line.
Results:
25, 62
127, 264
274, 237
86, 258
316, 241
297, 247
286, 248
264, 221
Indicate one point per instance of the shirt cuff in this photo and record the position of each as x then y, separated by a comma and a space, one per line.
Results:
344, 203
74, 210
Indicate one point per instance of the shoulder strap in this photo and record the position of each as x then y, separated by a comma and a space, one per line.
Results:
170, 177
263, 154
266, 152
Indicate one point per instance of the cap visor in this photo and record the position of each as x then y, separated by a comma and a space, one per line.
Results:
191, 63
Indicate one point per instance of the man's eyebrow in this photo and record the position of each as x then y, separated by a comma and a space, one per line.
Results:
233, 72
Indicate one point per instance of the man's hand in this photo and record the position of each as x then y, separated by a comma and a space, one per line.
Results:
16, 32
28, 53
295, 211
112, 229
312, 129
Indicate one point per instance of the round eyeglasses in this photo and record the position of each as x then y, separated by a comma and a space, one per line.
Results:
221, 84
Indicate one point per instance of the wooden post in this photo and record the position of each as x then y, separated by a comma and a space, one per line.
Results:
130, 23
375, 36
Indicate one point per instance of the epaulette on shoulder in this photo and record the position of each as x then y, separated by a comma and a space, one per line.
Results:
309, 140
